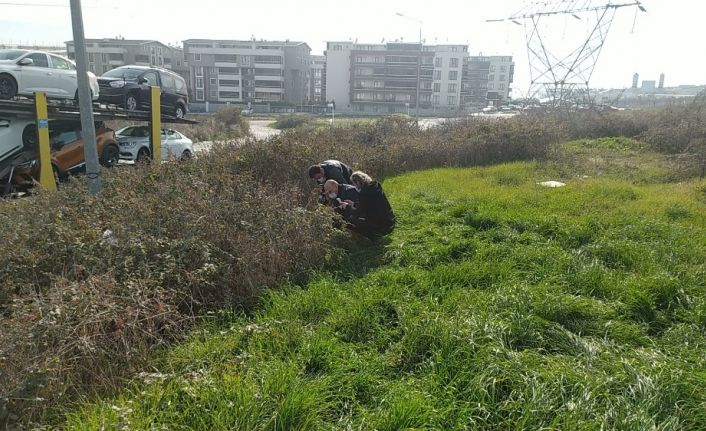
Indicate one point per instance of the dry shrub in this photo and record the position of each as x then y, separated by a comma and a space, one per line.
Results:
82, 309
391, 146
293, 121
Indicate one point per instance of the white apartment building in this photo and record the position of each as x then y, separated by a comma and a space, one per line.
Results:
448, 72
248, 71
399, 77
500, 77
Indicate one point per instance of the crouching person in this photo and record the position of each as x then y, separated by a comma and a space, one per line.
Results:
343, 198
372, 217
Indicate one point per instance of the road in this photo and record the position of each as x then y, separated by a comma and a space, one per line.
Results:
260, 129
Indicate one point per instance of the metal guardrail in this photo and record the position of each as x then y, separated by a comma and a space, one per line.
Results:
56, 111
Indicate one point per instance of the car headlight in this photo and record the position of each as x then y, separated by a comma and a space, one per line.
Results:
26, 165
117, 84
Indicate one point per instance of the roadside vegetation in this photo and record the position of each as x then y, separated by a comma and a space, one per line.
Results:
497, 304
490, 290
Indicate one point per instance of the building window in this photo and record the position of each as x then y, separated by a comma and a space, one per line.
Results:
491, 86
437, 75
453, 75
503, 68
229, 83
491, 77
454, 49
453, 88
437, 87
492, 68
197, 57
213, 81
502, 77
437, 99
438, 62
454, 62
199, 94
229, 95
452, 100
268, 59
502, 86
199, 72
226, 58
425, 98
199, 82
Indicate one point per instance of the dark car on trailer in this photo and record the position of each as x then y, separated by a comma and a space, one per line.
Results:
129, 87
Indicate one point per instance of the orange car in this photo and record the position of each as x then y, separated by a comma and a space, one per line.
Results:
67, 156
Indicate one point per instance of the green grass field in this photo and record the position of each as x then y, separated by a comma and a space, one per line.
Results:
496, 305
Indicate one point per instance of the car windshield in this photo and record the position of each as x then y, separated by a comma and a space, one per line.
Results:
11, 54
127, 74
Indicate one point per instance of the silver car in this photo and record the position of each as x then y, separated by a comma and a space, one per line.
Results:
24, 72
134, 142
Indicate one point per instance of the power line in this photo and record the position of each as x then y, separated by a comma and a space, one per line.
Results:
33, 4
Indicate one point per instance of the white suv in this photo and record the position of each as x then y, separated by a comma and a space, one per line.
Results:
24, 72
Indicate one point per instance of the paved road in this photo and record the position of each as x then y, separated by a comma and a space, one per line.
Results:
260, 129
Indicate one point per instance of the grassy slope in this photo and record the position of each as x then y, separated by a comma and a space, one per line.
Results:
496, 305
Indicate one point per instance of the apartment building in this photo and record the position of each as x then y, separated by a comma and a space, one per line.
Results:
52, 49
487, 80
394, 77
317, 83
107, 54
225, 71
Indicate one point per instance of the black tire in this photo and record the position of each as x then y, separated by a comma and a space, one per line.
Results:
8, 87
30, 140
179, 111
186, 156
111, 156
143, 157
76, 97
131, 103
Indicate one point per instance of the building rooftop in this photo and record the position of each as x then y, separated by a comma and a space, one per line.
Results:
124, 42
248, 42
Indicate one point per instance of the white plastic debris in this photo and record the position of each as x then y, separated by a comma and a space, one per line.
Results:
109, 238
552, 184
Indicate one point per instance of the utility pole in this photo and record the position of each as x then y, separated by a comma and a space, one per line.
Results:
85, 100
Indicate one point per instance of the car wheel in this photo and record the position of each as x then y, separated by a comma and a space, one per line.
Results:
143, 157
111, 155
131, 102
76, 96
29, 138
8, 87
186, 156
180, 112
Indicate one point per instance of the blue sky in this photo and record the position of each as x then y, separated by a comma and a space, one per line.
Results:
667, 39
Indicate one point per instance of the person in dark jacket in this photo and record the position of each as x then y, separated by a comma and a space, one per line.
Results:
342, 197
331, 170
373, 216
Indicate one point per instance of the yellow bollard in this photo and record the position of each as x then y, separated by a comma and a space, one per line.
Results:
46, 173
156, 123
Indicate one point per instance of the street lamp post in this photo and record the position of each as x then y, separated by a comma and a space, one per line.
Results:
85, 101
419, 60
